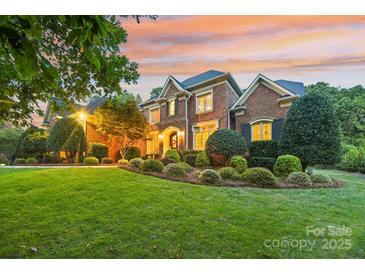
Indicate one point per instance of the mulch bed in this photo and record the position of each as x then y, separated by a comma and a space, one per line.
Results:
192, 179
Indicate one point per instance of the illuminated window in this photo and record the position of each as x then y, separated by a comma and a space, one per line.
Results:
261, 131
171, 107
204, 102
155, 116
153, 145
201, 134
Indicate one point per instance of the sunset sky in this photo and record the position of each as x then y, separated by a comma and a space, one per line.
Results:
299, 48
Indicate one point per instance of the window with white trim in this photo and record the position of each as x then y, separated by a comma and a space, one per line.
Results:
171, 106
154, 116
204, 102
201, 134
261, 131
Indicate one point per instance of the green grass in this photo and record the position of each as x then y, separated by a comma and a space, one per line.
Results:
113, 213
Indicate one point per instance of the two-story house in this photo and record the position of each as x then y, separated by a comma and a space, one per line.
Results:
187, 112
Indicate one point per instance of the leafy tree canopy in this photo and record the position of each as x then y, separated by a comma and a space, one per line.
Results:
8, 140
32, 143
67, 57
155, 92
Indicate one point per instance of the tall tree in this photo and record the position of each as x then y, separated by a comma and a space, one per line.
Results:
120, 117
155, 92
68, 57
312, 131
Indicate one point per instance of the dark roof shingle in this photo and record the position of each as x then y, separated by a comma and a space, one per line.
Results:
201, 78
295, 87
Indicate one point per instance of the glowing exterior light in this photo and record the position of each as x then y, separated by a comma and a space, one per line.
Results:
82, 116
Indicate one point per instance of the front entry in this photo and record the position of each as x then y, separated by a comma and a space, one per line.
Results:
173, 140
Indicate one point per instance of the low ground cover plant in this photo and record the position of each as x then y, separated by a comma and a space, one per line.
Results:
209, 176
321, 179
259, 176
299, 178
174, 170
185, 166
151, 165
229, 173
136, 162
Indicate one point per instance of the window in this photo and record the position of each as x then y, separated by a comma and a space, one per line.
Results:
155, 116
171, 107
204, 102
261, 131
201, 134
153, 145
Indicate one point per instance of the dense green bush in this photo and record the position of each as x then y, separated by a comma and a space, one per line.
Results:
107, 160
266, 162
202, 160
353, 160
190, 159
259, 176
321, 179
174, 170
19, 161
123, 162
32, 143
312, 131
132, 152
172, 154
91, 161
226, 142
264, 149
286, 164
239, 163
151, 165
167, 161
299, 178
136, 162
229, 173
209, 176
9, 138
185, 166
31, 160
99, 150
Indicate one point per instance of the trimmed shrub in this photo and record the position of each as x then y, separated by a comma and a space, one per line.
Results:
123, 162
19, 161
151, 165
260, 176
99, 150
91, 161
209, 176
190, 159
202, 160
31, 160
299, 178
167, 161
226, 142
321, 179
239, 163
229, 173
266, 162
312, 131
264, 149
286, 164
136, 162
132, 152
172, 154
185, 166
174, 170
107, 160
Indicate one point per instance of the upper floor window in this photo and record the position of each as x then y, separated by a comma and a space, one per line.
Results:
171, 106
154, 115
261, 131
204, 102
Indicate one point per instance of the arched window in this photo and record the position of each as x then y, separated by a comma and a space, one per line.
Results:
261, 130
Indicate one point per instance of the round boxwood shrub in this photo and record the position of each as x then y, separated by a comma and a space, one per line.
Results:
132, 152
286, 164
172, 154
239, 163
91, 161
202, 159
266, 162
260, 176
185, 166
19, 161
321, 179
152, 165
107, 160
209, 176
299, 178
167, 161
31, 160
136, 162
190, 158
229, 173
226, 142
99, 150
174, 170
123, 162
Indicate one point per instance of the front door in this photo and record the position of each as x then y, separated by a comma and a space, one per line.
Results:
173, 140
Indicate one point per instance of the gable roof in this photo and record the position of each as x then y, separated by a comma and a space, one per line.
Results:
202, 77
295, 87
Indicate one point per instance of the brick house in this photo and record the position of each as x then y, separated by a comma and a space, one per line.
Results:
187, 112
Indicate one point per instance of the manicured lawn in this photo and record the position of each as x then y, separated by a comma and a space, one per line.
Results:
112, 213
